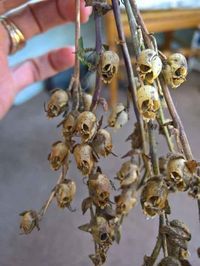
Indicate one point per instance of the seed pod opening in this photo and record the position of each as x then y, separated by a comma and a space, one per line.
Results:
65, 193
86, 125
85, 160
100, 189
175, 71
150, 65
148, 102
57, 103
110, 65
58, 155
29, 221
118, 116
101, 231
102, 143
128, 174
154, 197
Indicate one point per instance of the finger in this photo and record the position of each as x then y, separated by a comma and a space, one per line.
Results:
42, 16
6, 5
45, 66
34, 70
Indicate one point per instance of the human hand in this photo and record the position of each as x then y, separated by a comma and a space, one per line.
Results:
33, 20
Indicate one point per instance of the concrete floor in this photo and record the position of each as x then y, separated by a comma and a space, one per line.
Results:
26, 180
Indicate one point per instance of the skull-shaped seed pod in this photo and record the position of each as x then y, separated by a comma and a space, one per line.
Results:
101, 231
150, 65
58, 155
128, 174
148, 102
87, 101
69, 124
194, 188
85, 160
86, 125
102, 143
100, 189
118, 116
125, 202
65, 193
109, 66
177, 172
29, 222
175, 71
169, 261
154, 197
57, 103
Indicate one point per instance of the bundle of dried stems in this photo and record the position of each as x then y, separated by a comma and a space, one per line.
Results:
143, 175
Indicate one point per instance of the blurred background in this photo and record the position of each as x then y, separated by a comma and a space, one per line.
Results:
26, 137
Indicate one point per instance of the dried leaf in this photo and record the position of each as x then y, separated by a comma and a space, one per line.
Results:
86, 204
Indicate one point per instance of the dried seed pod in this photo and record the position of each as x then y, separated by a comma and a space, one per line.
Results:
102, 143
178, 235
85, 160
65, 193
175, 71
154, 197
181, 229
57, 103
118, 116
69, 124
87, 101
169, 261
125, 202
128, 174
100, 189
109, 66
177, 172
148, 102
86, 125
29, 222
101, 231
58, 155
194, 187
136, 138
150, 65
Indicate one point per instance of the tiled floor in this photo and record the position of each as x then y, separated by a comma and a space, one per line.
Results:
26, 180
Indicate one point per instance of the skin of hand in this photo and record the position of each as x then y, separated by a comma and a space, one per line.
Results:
35, 19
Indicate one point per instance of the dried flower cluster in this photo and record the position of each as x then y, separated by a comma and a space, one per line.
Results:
143, 175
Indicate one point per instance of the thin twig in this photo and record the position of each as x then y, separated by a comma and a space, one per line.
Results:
76, 76
98, 86
177, 121
130, 74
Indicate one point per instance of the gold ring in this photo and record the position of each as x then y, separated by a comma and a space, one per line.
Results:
17, 38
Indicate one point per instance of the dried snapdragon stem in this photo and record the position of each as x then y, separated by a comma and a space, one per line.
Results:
98, 49
130, 75
75, 80
151, 127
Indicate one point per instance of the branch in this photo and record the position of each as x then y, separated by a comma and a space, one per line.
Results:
98, 31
